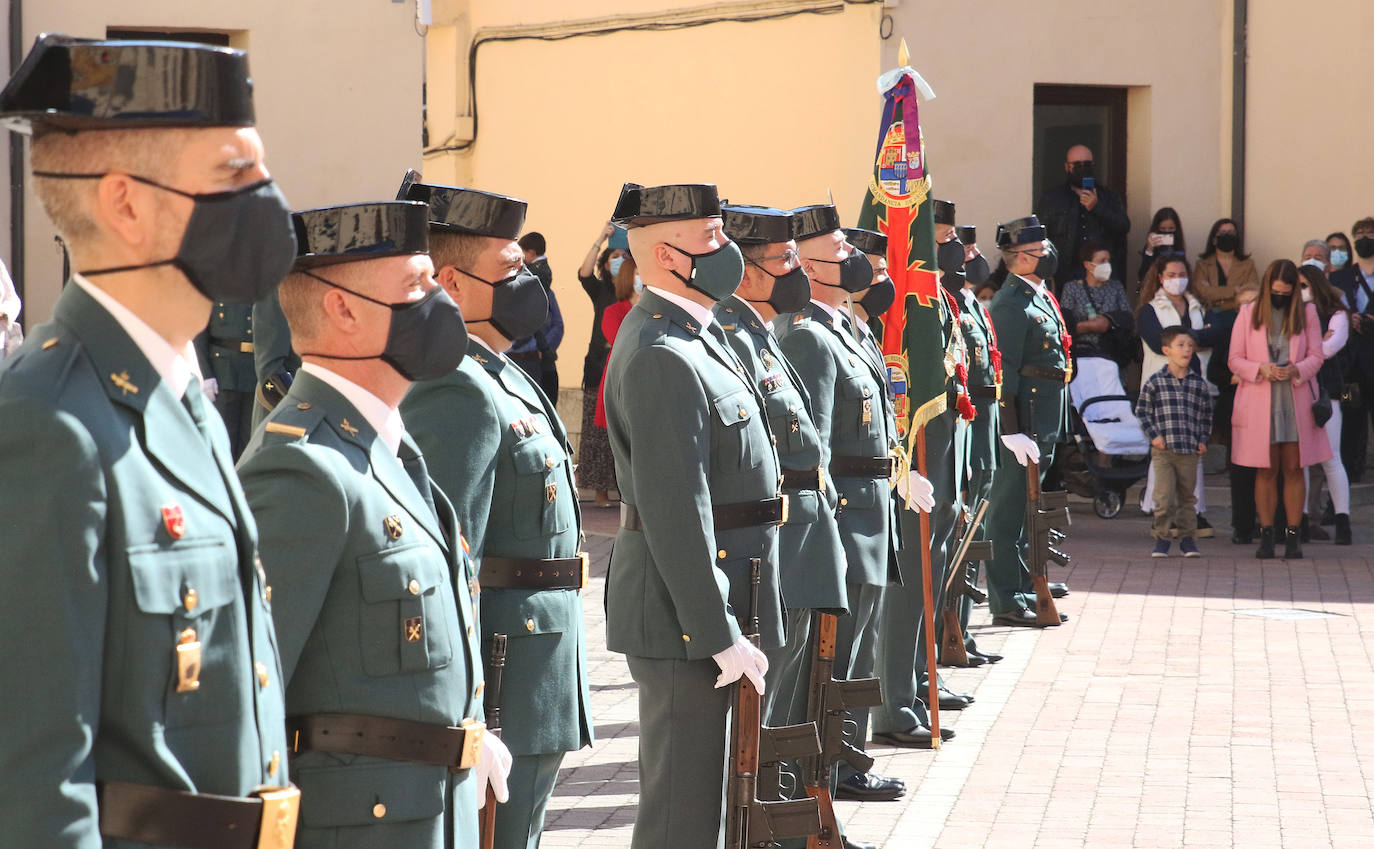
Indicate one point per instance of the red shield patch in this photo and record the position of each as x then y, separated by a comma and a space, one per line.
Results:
174, 520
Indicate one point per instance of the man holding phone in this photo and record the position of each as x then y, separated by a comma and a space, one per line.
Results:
1080, 211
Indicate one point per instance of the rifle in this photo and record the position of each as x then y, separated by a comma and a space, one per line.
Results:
828, 705
492, 705
1046, 513
960, 584
750, 822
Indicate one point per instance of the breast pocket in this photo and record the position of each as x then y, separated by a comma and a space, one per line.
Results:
540, 479
862, 406
741, 438
191, 590
784, 419
407, 606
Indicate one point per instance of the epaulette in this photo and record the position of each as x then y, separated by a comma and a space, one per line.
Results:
800, 318
292, 421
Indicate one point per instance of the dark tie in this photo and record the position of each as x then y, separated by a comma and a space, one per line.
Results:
414, 465
194, 402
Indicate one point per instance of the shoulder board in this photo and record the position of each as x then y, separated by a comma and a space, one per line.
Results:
293, 420
289, 430
800, 318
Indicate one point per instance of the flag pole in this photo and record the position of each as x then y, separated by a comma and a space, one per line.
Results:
927, 613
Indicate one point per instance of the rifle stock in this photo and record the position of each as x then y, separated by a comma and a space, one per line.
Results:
952, 649
1044, 513
491, 704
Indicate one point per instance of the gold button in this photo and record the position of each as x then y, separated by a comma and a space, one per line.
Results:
262, 674
304, 405
550, 462
274, 764
480, 687
686, 639
742, 414
721, 554
529, 625
413, 586
192, 599
379, 810
267, 593
844, 501
469, 630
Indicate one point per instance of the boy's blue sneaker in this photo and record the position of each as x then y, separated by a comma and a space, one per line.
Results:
1188, 547
1161, 548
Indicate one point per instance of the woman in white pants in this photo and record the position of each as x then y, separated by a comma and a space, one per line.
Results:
1335, 319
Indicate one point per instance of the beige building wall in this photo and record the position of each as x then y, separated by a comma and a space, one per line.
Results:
337, 92
776, 112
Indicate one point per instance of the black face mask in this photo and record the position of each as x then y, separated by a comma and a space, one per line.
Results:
1280, 302
1047, 265
1227, 242
879, 297
427, 338
1078, 171
237, 246
716, 274
977, 270
856, 272
791, 291
1364, 247
949, 256
519, 304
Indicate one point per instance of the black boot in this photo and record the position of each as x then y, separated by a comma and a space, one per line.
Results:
1266, 546
1329, 514
1292, 544
1342, 529
1304, 535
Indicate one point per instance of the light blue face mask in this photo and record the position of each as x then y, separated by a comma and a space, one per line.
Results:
614, 264
1339, 258
639, 285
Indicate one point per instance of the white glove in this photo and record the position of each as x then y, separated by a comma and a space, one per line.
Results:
493, 767
1023, 447
741, 659
210, 386
917, 492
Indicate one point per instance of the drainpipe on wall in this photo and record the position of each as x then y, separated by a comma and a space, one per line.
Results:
1241, 14
16, 25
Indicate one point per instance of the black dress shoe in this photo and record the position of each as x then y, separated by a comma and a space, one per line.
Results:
1059, 590
952, 701
917, 738
1019, 618
867, 787
990, 657
856, 844
965, 697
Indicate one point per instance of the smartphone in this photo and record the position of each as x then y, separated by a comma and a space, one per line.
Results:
1166, 239
1089, 184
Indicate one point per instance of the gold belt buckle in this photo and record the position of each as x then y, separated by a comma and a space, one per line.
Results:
1068, 372
245, 347
785, 502
820, 480
280, 808
586, 568
472, 742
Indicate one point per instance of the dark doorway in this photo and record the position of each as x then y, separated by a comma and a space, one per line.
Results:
1066, 115
218, 39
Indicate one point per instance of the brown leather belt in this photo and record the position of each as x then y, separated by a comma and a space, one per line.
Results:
164, 817
726, 517
453, 746
512, 573
232, 345
803, 479
862, 467
1045, 373
991, 391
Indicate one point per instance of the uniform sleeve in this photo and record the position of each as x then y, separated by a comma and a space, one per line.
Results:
1009, 320
302, 514
811, 360
668, 413
272, 352
53, 603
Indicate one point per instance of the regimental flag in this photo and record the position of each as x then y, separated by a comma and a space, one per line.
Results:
898, 203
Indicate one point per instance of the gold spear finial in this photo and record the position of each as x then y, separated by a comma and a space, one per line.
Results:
903, 55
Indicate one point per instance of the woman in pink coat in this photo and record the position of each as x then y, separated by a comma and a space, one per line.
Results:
1276, 350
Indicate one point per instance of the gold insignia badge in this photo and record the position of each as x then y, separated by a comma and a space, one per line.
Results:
121, 381
188, 661
393, 526
692, 327
350, 429
551, 493
867, 415
414, 629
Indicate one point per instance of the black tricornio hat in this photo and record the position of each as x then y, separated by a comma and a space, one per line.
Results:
84, 84
1022, 231
967, 233
808, 222
640, 206
944, 212
360, 231
757, 225
456, 210
868, 241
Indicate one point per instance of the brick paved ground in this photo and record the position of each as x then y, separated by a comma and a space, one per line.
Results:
1162, 715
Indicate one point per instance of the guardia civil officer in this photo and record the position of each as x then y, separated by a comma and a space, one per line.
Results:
375, 613
1034, 407
141, 687
496, 445
225, 349
274, 361
698, 477
849, 398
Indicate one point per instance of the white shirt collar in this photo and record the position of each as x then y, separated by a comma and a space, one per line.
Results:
694, 309
1038, 287
495, 353
831, 311
864, 332
756, 313
384, 419
176, 368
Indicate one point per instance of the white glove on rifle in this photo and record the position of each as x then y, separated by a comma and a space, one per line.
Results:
741, 659
1023, 447
917, 492
493, 767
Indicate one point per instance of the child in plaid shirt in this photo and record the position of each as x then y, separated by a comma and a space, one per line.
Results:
1175, 410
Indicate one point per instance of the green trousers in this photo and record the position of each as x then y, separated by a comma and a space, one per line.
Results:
520, 820
856, 650
1009, 582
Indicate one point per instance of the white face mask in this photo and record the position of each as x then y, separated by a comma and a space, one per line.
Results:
1306, 295
1102, 273
1175, 285
1315, 263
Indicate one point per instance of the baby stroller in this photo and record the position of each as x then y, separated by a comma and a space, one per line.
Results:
1115, 450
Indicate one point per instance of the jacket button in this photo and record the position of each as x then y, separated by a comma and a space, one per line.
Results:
267, 593
721, 554
686, 639
263, 679
550, 462
413, 586
274, 764
742, 413
192, 599
844, 501
529, 625
480, 687
379, 810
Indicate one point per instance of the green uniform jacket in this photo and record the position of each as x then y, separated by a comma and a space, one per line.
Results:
494, 443
688, 432
1029, 333
112, 511
272, 353
810, 556
221, 348
358, 558
848, 394
984, 430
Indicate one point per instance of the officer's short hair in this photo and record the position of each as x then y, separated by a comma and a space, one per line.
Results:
144, 152
460, 250
534, 241
300, 295
754, 250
